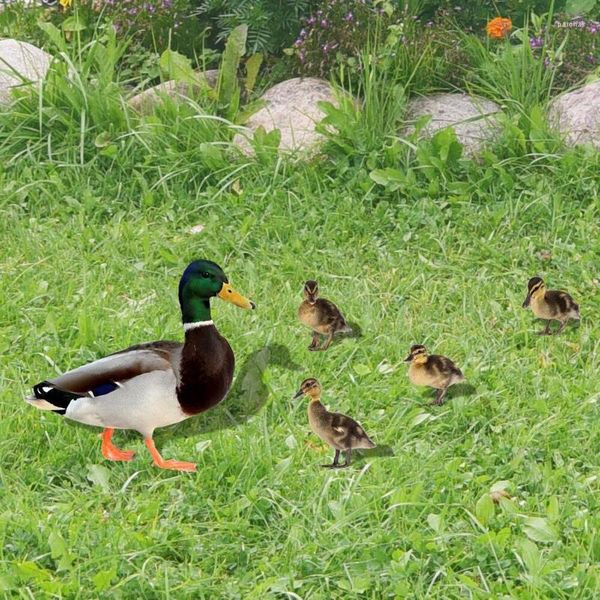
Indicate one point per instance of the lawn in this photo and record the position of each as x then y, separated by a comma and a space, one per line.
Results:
493, 495
260, 518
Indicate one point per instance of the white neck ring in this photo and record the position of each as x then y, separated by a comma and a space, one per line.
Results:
188, 326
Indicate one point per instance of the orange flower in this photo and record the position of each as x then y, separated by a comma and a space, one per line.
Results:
498, 28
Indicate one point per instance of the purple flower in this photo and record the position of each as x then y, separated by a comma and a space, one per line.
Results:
311, 20
302, 34
349, 17
536, 42
324, 23
591, 59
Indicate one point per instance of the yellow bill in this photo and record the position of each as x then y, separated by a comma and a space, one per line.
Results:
228, 294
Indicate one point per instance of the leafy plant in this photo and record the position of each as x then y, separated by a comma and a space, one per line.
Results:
272, 24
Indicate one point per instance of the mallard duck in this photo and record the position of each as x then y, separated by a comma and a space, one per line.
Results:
435, 371
154, 384
339, 431
322, 316
551, 305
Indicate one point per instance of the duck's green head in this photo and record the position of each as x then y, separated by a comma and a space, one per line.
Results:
202, 280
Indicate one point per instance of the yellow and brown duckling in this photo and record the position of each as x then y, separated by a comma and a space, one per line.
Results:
435, 371
322, 316
338, 431
550, 305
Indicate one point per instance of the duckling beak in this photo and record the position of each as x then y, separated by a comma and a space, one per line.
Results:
408, 358
527, 300
298, 394
228, 294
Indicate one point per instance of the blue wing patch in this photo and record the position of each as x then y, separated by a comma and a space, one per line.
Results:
105, 388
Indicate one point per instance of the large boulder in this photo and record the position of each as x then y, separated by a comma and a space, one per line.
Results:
473, 118
145, 102
20, 63
291, 107
576, 115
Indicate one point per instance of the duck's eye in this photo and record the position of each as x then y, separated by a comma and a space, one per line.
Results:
205, 274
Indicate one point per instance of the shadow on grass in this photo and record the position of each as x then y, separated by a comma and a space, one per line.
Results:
246, 397
377, 452
455, 391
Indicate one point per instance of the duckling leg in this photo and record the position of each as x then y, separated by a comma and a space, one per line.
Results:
562, 326
327, 341
335, 463
439, 397
315, 341
348, 459
159, 461
111, 452
546, 331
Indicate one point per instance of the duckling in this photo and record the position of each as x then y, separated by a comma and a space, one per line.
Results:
322, 316
551, 305
432, 370
339, 431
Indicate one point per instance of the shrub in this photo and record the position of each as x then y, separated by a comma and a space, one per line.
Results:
336, 33
272, 24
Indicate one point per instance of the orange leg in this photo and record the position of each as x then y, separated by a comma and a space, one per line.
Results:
112, 452
159, 461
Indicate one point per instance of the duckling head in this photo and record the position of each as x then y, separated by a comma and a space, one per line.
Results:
418, 354
535, 287
309, 387
311, 291
202, 280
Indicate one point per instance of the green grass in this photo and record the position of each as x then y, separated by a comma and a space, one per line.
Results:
95, 227
261, 519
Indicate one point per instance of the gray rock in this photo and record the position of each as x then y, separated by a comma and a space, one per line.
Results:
291, 107
145, 102
576, 115
20, 63
471, 117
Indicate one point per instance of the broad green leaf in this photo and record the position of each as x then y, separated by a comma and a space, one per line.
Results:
553, 509
55, 35
202, 445
178, 67
235, 48
361, 369
539, 530
500, 486
435, 522
98, 475
252, 67
420, 418
103, 579
59, 551
579, 7
390, 178
485, 509
102, 140
73, 24
531, 557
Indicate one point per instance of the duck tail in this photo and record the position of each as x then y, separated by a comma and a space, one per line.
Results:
343, 327
367, 443
46, 396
